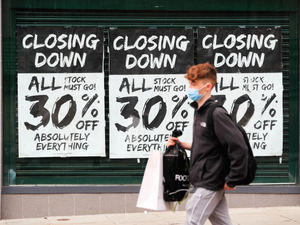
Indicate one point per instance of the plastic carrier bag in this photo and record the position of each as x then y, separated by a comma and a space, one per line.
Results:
151, 192
175, 172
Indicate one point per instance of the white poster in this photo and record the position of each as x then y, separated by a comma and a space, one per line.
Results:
146, 109
255, 101
61, 115
147, 89
249, 65
60, 92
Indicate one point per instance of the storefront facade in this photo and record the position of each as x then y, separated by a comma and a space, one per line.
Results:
90, 88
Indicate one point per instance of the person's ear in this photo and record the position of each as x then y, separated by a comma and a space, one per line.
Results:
209, 86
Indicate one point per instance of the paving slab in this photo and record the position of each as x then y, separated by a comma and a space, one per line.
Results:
240, 216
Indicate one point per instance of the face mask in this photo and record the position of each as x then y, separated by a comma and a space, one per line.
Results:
194, 95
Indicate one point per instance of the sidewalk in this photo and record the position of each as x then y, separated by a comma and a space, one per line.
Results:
240, 216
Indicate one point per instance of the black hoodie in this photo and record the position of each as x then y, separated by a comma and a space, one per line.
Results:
217, 158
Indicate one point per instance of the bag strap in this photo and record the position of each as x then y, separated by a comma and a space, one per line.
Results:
210, 118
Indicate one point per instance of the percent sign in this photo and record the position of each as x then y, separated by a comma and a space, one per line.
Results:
90, 101
272, 111
184, 113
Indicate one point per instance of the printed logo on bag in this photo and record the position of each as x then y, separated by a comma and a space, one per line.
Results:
179, 177
203, 124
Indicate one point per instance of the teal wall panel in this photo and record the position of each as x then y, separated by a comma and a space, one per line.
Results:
108, 14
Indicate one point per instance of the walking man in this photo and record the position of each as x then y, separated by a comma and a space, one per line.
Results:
218, 159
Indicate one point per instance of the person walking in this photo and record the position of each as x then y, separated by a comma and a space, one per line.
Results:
218, 159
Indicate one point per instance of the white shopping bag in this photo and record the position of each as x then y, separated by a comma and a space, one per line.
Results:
151, 192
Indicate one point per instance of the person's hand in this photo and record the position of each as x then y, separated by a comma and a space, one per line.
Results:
172, 141
227, 188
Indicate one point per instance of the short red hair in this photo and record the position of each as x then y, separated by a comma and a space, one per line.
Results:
202, 71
